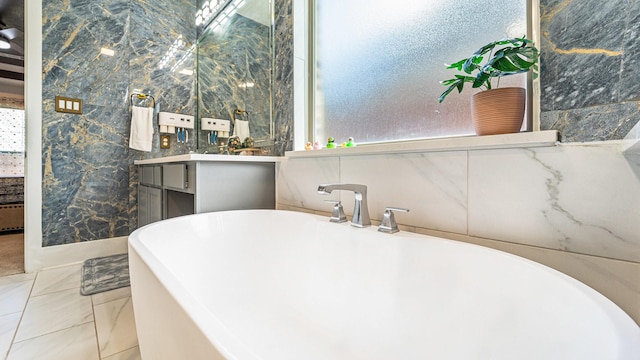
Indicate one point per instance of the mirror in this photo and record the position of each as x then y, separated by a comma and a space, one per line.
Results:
234, 67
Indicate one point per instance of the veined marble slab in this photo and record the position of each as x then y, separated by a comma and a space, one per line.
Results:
433, 186
582, 198
298, 179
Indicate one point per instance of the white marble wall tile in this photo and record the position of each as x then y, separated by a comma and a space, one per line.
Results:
432, 185
116, 326
8, 326
298, 181
56, 279
577, 198
52, 312
13, 296
78, 342
131, 354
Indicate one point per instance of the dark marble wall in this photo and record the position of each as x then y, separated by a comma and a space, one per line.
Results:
590, 83
87, 165
239, 54
283, 77
89, 180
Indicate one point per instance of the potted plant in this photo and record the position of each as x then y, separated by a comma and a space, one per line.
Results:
495, 110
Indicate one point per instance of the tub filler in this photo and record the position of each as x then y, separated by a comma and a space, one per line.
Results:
268, 284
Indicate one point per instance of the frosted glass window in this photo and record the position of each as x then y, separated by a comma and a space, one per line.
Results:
379, 63
11, 130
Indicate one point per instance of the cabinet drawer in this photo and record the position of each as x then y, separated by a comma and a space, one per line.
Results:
146, 175
175, 176
151, 175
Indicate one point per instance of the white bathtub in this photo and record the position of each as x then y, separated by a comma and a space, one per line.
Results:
268, 284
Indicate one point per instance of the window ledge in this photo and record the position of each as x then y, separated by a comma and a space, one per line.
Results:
507, 141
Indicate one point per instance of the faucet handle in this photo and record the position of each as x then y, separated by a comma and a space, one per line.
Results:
388, 224
337, 215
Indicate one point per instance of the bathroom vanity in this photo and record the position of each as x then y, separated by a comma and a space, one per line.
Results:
196, 183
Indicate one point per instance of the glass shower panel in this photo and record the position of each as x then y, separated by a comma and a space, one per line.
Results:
379, 63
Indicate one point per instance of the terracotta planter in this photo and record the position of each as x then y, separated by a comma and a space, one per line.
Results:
498, 111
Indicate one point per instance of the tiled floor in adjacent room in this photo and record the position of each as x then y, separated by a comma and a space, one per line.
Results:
43, 316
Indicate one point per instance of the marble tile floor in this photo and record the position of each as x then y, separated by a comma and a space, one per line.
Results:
44, 317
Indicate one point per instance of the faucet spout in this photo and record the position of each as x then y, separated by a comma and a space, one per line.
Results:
360, 208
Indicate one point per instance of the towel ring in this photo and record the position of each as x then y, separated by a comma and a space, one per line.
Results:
240, 112
143, 97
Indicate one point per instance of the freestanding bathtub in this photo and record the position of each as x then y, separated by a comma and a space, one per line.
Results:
267, 284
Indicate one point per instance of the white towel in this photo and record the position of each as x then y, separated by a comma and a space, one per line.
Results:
241, 129
141, 135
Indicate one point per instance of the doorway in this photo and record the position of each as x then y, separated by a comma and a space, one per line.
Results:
12, 137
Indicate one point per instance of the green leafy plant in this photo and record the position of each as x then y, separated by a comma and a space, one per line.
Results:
513, 56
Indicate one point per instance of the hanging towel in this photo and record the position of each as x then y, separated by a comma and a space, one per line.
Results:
241, 129
141, 135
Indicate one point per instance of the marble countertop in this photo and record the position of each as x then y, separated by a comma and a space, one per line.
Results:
208, 157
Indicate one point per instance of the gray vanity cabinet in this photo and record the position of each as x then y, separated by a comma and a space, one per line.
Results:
182, 188
149, 195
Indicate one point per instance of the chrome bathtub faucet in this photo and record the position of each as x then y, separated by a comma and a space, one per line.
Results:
360, 210
388, 224
337, 215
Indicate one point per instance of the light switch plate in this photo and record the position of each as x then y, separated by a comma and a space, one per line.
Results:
68, 105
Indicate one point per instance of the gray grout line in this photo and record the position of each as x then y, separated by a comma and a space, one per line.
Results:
24, 308
93, 316
95, 327
120, 352
93, 320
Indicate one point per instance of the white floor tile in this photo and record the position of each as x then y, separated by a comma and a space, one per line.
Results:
16, 278
13, 296
131, 354
8, 326
52, 312
62, 278
51, 320
116, 327
77, 342
107, 296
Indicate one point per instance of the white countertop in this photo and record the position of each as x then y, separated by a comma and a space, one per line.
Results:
208, 157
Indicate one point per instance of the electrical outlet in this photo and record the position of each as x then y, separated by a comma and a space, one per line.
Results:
165, 142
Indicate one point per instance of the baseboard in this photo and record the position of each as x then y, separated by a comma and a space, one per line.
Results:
53, 256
